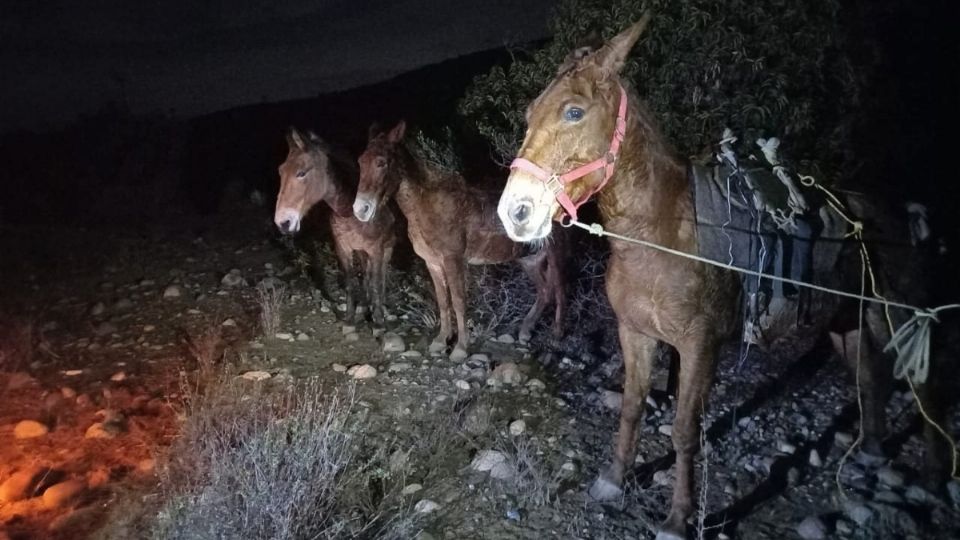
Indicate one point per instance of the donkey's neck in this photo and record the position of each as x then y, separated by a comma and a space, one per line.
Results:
344, 180
648, 196
413, 181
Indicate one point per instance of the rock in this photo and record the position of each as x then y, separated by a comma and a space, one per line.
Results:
233, 278
118, 376
508, 373
411, 354
663, 478
410, 489
98, 309
569, 467
271, 282
478, 359
517, 427
172, 291
506, 338
462, 384
888, 497
102, 430
68, 393
28, 429
229, 323
123, 304
362, 371
536, 385
147, 466
348, 329
302, 336
842, 439
890, 477
398, 367
785, 447
812, 528
62, 494
458, 354
477, 419
255, 375
392, 343
666, 429
502, 471
487, 459
425, 506
815, 460
105, 328
339, 368
611, 400
953, 491
859, 513
352, 336
23, 484
285, 336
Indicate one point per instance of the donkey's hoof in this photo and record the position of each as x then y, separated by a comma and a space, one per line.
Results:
437, 346
668, 535
459, 354
603, 489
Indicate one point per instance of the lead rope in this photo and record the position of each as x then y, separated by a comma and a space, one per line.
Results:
908, 340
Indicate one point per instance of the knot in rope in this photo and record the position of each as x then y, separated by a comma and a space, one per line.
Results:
596, 228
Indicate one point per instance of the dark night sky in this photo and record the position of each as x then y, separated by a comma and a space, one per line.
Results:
62, 58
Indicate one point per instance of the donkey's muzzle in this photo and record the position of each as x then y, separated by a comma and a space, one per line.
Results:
364, 208
520, 211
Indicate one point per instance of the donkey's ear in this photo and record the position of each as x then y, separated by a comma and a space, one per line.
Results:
296, 140
374, 130
398, 131
613, 55
313, 137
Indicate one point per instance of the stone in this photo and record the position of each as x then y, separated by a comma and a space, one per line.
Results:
118, 376
398, 367
812, 528
348, 329
172, 291
62, 494
814, 459
339, 368
256, 375
506, 338
410, 489
352, 336
302, 336
147, 466
123, 304
517, 427
28, 429
22, 484
462, 384
890, 477
666, 429
102, 430
842, 439
502, 471
663, 478
362, 371
233, 278
508, 373
611, 400
487, 459
785, 447
425, 506
392, 343
859, 513
98, 309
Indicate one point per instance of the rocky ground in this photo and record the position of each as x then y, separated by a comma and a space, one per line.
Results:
106, 332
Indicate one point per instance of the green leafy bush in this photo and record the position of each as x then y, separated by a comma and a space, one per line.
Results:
762, 67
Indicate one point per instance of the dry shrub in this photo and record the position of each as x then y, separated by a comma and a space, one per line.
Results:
270, 298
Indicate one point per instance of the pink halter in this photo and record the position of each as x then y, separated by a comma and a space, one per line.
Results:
555, 182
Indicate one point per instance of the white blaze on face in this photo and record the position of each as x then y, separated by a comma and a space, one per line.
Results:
287, 220
526, 208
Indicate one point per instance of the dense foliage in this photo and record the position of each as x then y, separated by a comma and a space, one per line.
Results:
761, 67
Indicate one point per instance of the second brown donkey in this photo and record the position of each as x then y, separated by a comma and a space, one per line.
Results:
452, 225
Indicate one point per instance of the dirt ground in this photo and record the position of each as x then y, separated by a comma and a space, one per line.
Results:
104, 327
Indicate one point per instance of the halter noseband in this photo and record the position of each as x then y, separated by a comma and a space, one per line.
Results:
555, 182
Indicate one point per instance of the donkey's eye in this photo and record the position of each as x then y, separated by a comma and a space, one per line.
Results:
381, 162
301, 174
573, 114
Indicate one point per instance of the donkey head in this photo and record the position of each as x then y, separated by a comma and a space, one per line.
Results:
304, 180
574, 131
378, 178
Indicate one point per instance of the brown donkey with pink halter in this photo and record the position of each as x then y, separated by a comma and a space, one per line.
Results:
586, 122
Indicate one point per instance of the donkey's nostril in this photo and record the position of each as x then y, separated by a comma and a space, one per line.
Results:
521, 212
285, 226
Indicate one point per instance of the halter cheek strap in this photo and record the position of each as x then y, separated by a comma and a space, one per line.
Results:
555, 182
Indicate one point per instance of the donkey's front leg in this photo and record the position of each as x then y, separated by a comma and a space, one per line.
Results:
456, 273
374, 290
345, 256
638, 350
442, 294
380, 286
696, 372
535, 269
